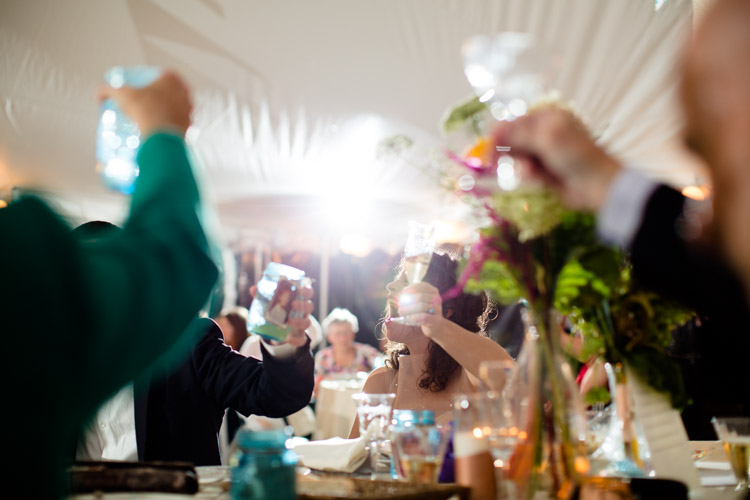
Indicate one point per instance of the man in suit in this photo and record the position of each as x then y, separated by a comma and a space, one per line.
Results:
649, 219
174, 411
80, 321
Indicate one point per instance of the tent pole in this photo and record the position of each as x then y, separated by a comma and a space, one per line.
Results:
325, 260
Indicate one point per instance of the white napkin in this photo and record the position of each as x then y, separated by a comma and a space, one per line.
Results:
335, 454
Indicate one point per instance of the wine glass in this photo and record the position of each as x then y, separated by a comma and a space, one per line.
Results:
420, 243
508, 72
734, 434
495, 374
374, 413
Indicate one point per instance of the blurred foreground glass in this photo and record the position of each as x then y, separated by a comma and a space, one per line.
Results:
420, 243
419, 446
118, 137
508, 72
494, 375
374, 413
734, 434
471, 445
265, 468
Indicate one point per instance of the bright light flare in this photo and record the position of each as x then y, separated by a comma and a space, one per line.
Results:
355, 244
695, 192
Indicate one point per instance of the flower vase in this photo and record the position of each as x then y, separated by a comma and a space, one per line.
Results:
624, 451
549, 457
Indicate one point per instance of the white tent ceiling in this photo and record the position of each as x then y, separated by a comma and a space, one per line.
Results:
293, 97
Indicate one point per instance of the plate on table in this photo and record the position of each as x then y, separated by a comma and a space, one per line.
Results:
337, 487
213, 474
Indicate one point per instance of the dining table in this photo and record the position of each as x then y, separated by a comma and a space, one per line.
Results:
717, 483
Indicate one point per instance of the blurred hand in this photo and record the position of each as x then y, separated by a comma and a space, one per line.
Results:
552, 146
299, 317
165, 104
421, 303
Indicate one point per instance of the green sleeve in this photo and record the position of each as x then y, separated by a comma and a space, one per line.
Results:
147, 283
80, 320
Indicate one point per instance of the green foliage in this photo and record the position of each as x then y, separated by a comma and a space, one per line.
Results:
620, 320
500, 281
596, 395
535, 211
660, 372
466, 111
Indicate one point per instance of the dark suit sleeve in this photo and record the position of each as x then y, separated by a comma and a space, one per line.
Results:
712, 357
271, 388
663, 260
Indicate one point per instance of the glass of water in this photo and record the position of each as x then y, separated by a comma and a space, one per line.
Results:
374, 413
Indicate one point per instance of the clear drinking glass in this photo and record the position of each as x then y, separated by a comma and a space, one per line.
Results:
471, 445
118, 137
508, 72
494, 375
374, 413
734, 434
420, 243
420, 450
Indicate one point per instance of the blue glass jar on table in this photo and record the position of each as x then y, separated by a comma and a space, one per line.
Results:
265, 467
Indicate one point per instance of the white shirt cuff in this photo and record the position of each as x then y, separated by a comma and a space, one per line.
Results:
621, 215
281, 351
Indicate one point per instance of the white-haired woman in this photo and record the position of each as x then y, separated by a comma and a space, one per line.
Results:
343, 356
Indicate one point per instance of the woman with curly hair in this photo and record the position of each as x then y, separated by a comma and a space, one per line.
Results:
427, 364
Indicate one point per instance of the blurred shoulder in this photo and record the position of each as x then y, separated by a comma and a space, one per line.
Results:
379, 380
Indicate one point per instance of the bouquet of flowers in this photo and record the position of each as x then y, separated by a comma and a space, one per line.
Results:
531, 248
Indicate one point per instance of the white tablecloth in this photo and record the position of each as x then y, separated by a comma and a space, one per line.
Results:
335, 409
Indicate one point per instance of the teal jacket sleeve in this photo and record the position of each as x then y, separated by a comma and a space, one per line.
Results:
81, 320
147, 283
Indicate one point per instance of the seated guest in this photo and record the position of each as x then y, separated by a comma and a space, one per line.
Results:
343, 356
110, 309
175, 412
233, 324
429, 363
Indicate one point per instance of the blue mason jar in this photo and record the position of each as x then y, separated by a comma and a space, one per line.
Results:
265, 468
118, 137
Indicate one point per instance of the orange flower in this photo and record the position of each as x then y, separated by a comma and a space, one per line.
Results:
480, 153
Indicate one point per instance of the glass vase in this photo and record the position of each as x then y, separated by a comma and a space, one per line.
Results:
550, 454
624, 451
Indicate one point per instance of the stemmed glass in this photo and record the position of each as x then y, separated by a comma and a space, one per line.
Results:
420, 243
734, 434
508, 72
494, 375
418, 251
374, 413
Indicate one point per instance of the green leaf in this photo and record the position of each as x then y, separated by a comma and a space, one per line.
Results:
465, 111
597, 395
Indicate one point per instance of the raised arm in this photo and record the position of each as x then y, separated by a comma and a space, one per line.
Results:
469, 349
142, 287
275, 387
